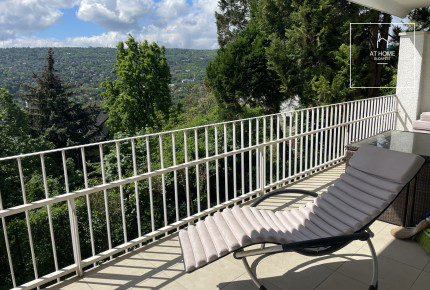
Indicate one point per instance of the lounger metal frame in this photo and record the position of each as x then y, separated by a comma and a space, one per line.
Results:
316, 247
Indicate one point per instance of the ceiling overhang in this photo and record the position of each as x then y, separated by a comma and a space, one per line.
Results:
399, 8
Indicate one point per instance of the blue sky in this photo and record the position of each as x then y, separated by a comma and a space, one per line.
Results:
173, 23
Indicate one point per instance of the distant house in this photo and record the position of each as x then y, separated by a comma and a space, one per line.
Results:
189, 80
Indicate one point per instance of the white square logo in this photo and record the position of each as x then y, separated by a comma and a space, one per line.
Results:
381, 54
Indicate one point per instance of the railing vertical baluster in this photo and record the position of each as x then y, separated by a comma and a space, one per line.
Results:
301, 139
317, 124
87, 199
365, 113
48, 209
360, 124
284, 144
335, 133
151, 197
207, 168
257, 154
263, 166
386, 116
296, 141
27, 218
322, 133
121, 194
372, 121
136, 189
271, 150
73, 220
382, 129
242, 157
234, 162
290, 142
352, 134
277, 147
163, 180
6, 241
225, 164
330, 142
393, 115
196, 148
187, 183
175, 177
339, 131
382, 118
105, 196
326, 133
262, 170
306, 141
216, 166
311, 153
348, 127
342, 140
250, 155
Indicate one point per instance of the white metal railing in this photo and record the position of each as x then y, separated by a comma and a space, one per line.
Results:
151, 185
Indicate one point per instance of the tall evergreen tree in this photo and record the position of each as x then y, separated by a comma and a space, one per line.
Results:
140, 96
232, 19
309, 48
52, 113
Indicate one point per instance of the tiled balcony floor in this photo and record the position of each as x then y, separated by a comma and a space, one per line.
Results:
402, 264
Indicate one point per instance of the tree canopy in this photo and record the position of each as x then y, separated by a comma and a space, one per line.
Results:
139, 97
239, 76
52, 113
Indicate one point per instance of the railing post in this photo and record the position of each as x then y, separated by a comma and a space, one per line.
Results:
75, 237
262, 171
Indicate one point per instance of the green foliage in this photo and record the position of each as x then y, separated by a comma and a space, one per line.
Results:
421, 18
13, 125
239, 76
140, 95
231, 20
310, 53
52, 113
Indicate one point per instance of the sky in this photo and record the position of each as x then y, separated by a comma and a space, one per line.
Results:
103, 23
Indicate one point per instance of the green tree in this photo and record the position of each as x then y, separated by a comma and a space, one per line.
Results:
232, 19
140, 95
239, 76
52, 113
13, 125
421, 18
309, 48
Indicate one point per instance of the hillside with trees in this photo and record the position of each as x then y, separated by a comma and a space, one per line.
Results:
90, 66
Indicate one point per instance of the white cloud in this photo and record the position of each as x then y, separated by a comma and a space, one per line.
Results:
172, 23
115, 15
25, 16
172, 8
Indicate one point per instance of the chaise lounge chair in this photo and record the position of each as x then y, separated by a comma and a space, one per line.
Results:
335, 218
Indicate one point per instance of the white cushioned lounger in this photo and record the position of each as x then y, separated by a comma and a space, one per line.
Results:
373, 180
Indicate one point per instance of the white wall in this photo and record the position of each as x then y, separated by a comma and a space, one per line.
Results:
413, 78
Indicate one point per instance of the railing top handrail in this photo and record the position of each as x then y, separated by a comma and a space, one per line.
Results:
337, 104
171, 131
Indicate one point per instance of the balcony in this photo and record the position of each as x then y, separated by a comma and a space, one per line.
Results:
111, 210
403, 264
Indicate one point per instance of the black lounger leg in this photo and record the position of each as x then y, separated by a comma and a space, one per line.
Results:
252, 275
374, 283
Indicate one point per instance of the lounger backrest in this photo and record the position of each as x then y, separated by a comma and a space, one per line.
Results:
373, 180
398, 167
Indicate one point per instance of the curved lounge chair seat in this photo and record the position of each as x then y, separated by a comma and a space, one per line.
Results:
374, 179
